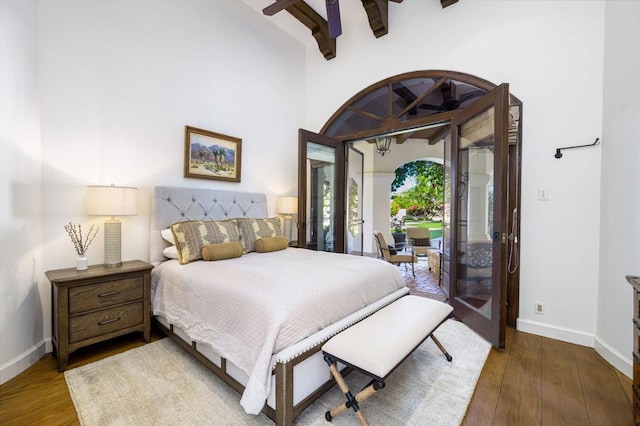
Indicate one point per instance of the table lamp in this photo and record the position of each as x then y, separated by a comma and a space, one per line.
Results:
112, 201
287, 206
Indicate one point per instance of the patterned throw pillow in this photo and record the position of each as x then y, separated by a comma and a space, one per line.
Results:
192, 236
254, 229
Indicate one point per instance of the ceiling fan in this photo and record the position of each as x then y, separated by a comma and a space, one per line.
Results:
449, 103
333, 13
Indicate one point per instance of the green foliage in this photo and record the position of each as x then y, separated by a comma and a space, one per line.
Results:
434, 171
394, 208
353, 207
425, 198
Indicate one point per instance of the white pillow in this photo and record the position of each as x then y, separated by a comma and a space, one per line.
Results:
171, 252
167, 234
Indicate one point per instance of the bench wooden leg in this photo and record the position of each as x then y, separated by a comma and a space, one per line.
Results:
352, 402
442, 349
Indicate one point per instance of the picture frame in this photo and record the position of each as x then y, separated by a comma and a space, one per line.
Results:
211, 155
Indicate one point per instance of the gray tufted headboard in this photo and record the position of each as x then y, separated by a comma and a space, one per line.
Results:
170, 205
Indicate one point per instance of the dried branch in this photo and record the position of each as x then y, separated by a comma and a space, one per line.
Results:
75, 233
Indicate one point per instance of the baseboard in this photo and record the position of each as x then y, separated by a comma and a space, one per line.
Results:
20, 363
613, 357
554, 332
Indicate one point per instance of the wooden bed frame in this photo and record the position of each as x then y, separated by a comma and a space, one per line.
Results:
284, 380
170, 205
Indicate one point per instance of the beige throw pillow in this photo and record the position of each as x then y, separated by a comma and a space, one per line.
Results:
222, 251
267, 244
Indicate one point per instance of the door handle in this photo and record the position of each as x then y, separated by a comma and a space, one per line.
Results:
496, 237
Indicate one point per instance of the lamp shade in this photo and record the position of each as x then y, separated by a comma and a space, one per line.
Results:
112, 201
287, 205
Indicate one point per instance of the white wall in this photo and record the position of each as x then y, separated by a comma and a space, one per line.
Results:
551, 53
23, 293
118, 82
620, 206
121, 79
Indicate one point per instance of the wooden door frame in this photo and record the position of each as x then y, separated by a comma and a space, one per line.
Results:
348, 149
392, 124
305, 136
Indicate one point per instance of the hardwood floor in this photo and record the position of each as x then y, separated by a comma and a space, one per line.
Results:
541, 381
39, 395
535, 381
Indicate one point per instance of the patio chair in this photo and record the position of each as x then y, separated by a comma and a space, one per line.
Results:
420, 240
396, 259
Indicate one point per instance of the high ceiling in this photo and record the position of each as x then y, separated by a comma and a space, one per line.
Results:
307, 20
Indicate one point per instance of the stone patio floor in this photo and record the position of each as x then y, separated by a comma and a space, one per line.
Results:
425, 282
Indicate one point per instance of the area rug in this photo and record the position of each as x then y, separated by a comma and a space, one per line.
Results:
161, 384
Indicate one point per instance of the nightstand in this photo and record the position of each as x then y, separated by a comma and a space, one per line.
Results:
635, 387
98, 304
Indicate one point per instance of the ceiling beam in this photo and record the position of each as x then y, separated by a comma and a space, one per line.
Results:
278, 6
402, 137
318, 26
439, 134
447, 3
378, 14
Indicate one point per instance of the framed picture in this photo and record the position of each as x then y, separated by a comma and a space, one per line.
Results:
210, 155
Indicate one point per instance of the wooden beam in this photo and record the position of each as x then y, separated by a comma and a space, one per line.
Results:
278, 6
378, 14
318, 26
414, 104
447, 3
439, 134
402, 137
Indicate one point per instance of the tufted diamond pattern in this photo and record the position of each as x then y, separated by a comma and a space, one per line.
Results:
170, 205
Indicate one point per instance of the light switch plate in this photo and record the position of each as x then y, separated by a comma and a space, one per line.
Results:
543, 194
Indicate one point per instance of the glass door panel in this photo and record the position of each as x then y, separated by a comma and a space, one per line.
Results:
477, 286
475, 212
355, 178
321, 186
446, 217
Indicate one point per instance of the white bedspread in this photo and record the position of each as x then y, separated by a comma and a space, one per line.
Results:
251, 307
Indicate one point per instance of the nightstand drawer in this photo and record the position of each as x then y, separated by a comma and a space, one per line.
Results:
86, 326
94, 296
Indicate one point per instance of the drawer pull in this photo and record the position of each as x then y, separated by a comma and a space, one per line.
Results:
111, 293
109, 321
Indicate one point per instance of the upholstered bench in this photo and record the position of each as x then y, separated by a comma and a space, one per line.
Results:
378, 344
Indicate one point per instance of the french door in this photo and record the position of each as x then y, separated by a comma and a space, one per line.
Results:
475, 234
475, 208
354, 236
321, 212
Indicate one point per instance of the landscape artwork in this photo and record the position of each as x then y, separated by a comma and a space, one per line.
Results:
210, 155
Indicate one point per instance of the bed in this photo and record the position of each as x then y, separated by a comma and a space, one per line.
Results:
258, 320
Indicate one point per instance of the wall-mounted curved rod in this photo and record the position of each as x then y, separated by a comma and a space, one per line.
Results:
559, 154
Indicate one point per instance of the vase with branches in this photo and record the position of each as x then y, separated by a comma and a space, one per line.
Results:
81, 243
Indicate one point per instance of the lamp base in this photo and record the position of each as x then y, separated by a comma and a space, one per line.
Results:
112, 254
287, 227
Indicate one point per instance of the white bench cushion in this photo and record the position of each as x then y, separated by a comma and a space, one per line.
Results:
380, 342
